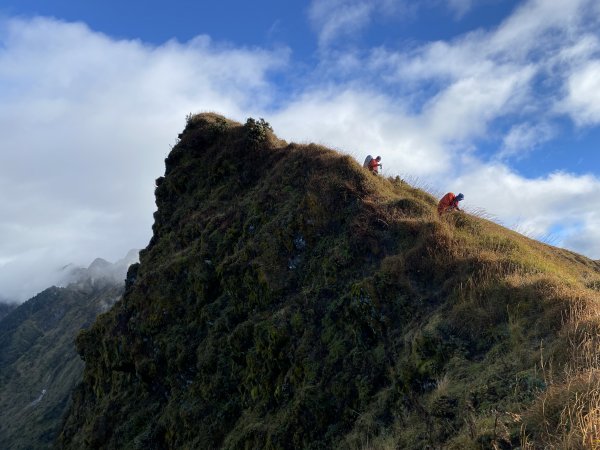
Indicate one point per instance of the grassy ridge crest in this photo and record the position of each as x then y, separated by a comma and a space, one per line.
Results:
289, 299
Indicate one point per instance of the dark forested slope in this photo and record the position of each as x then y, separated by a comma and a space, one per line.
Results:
6, 308
39, 365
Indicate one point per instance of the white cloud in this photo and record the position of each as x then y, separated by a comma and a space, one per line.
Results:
464, 109
585, 237
335, 18
361, 123
582, 100
539, 25
523, 138
460, 7
578, 52
559, 203
86, 122
510, 195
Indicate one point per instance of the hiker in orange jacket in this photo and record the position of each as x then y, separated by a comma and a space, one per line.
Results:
449, 202
374, 165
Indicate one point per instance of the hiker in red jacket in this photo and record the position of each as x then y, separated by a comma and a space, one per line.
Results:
449, 202
374, 165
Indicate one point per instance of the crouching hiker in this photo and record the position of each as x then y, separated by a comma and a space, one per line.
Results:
449, 202
373, 164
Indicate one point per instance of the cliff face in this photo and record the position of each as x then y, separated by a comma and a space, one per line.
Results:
289, 299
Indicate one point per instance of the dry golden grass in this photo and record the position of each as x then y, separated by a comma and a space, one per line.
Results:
567, 414
562, 287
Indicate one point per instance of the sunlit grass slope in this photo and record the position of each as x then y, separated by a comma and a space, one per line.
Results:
290, 299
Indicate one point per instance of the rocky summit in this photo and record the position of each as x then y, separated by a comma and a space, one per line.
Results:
289, 299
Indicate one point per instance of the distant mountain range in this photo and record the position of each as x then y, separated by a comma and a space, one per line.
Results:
39, 366
99, 271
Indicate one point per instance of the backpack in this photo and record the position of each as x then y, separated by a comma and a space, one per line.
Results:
367, 161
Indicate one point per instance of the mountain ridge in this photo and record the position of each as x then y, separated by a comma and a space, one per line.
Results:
39, 365
290, 299
98, 271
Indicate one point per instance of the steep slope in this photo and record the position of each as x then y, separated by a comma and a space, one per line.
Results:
289, 299
6, 308
39, 365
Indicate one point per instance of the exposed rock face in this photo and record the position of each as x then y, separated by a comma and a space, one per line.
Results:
290, 299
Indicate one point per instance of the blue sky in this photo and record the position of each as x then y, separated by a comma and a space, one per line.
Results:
497, 99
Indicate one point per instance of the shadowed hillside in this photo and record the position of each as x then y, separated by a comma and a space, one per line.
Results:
39, 365
289, 299
6, 308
